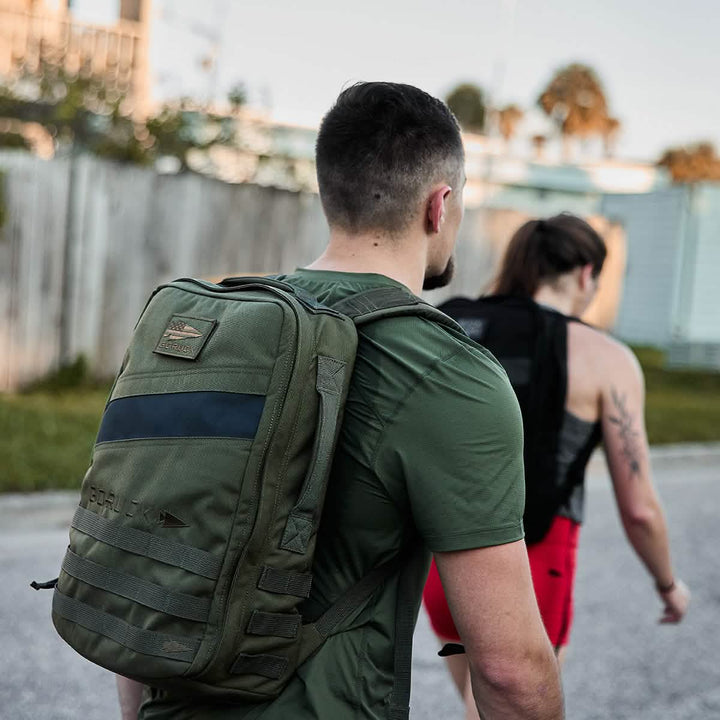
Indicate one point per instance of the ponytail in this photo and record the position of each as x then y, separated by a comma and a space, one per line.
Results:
542, 250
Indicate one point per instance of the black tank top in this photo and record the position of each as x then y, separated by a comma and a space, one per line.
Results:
530, 341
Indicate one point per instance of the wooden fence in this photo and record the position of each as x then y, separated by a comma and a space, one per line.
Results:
84, 243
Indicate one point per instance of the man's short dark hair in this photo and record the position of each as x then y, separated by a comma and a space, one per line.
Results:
378, 149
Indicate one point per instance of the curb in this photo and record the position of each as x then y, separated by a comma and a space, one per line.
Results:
685, 451
32, 511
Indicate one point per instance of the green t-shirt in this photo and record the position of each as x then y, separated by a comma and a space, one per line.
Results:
429, 458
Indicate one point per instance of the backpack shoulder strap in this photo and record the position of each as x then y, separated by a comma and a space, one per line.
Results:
386, 302
411, 567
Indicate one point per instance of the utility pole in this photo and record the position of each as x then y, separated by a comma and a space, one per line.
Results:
508, 10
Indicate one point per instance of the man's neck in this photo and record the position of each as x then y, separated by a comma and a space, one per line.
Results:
400, 258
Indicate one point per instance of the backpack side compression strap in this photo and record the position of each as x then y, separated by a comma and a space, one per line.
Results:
353, 599
347, 604
399, 707
303, 518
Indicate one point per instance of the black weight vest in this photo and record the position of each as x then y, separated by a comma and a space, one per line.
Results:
530, 342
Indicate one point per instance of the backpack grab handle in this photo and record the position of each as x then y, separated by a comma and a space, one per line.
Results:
239, 281
303, 517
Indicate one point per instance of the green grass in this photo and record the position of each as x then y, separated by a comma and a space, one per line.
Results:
46, 435
46, 438
681, 405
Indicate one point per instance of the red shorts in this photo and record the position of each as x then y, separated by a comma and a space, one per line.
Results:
552, 564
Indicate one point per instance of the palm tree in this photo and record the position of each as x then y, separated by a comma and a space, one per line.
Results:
575, 100
539, 142
508, 119
610, 135
693, 163
467, 102
237, 96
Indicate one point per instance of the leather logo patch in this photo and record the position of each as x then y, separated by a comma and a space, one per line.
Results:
185, 336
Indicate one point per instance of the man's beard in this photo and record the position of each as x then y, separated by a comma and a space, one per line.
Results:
433, 282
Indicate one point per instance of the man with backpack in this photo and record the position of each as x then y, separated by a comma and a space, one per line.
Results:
429, 456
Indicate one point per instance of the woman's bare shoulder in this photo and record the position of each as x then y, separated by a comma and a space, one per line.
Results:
599, 349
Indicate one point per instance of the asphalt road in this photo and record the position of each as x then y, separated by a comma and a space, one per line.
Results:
622, 665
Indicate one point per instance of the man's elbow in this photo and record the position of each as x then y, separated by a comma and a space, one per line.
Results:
528, 681
506, 675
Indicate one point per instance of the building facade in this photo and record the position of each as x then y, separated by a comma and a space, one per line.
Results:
34, 31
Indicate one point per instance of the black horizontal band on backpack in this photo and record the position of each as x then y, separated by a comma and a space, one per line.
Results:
138, 639
274, 624
181, 415
146, 544
269, 666
141, 591
282, 582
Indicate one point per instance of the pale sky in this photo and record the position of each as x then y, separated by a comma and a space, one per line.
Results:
659, 60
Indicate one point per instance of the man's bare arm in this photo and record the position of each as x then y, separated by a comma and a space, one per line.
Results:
626, 449
130, 696
512, 664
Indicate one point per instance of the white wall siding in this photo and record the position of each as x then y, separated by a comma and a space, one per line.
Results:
653, 226
31, 267
704, 316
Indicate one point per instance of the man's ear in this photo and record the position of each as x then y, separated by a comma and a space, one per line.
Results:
436, 208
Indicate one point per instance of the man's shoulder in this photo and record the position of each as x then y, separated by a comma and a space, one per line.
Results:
426, 344
398, 349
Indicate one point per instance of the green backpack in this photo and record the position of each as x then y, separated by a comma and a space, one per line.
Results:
191, 550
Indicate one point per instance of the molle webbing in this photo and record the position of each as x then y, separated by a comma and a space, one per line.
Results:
276, 624
143, 543
141, 591
282, 582
269, 666
138, 639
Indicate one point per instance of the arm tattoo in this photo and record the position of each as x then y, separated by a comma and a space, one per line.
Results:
629, 436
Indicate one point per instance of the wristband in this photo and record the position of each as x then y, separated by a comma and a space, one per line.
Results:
663, 589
